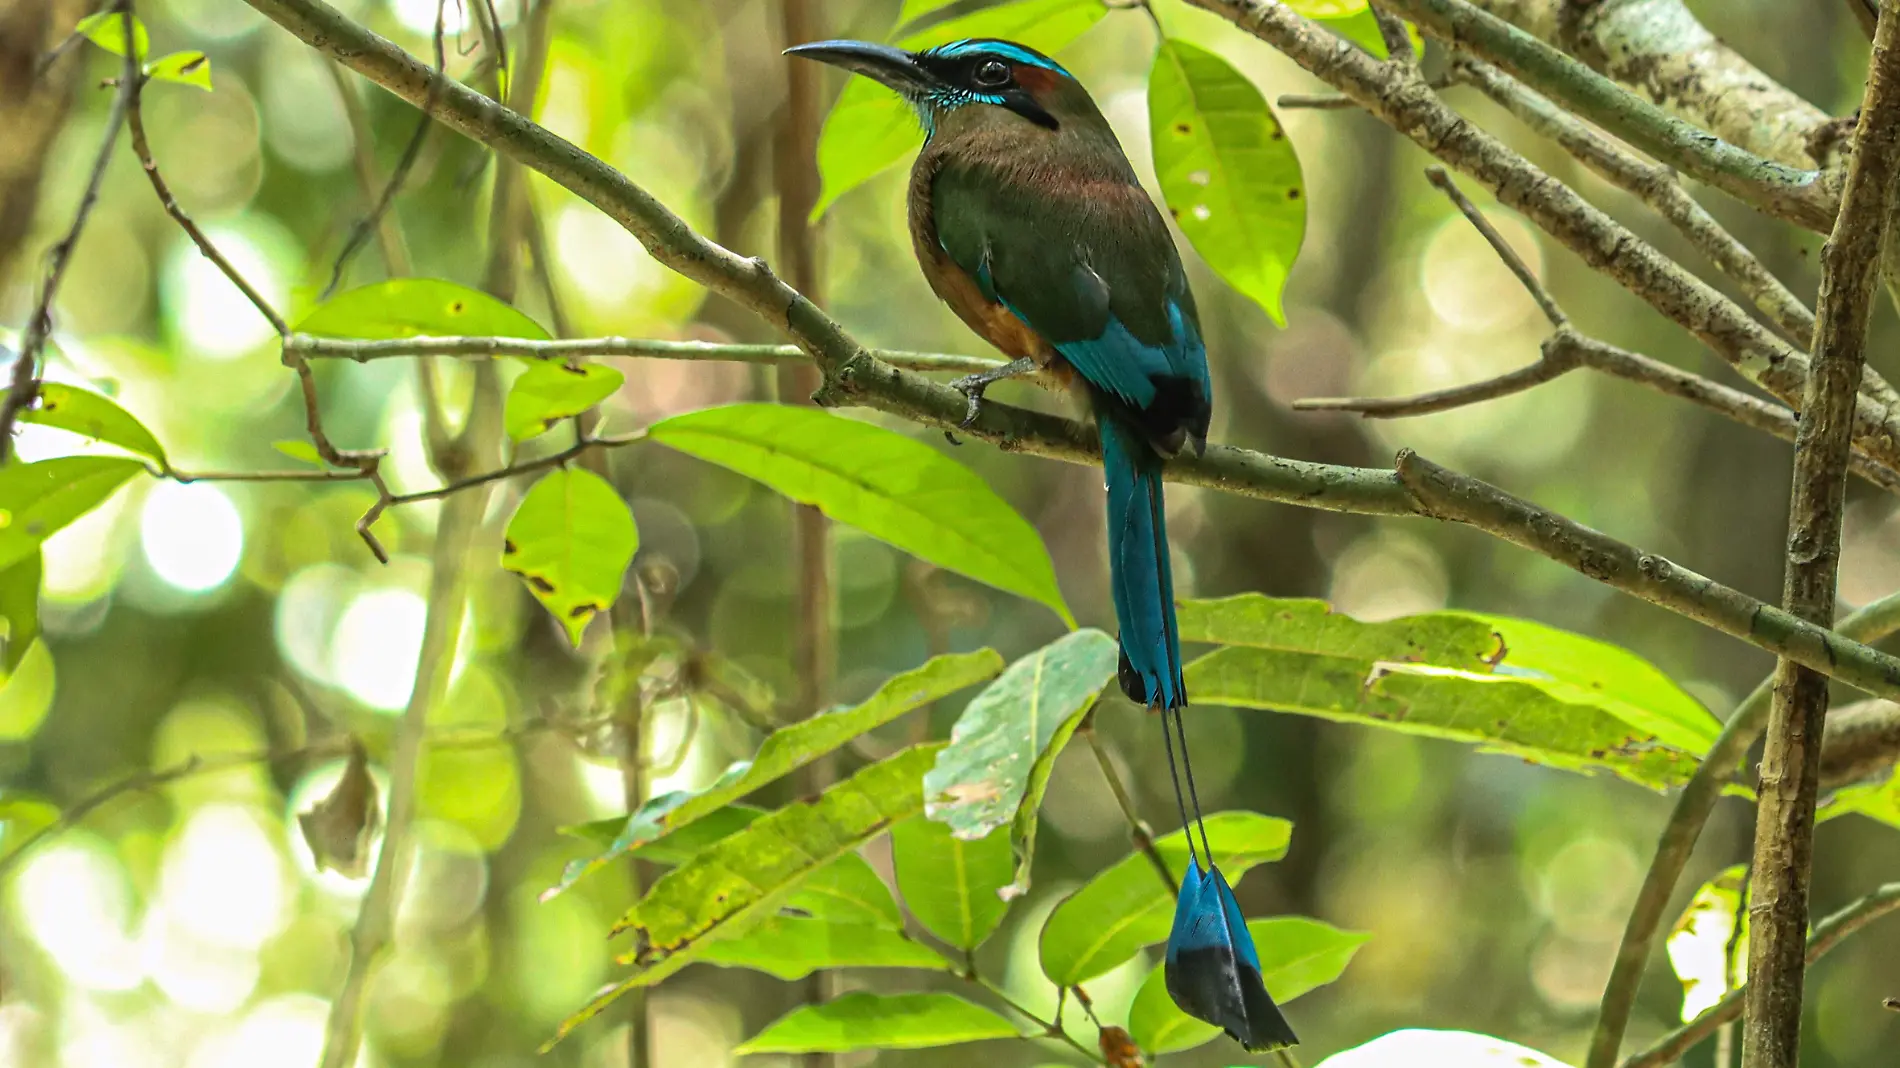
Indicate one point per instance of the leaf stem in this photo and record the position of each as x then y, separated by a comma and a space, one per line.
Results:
1138, 829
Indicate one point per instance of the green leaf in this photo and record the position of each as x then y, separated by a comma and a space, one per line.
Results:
1507, 685
20, 606
894, 488
417, 307
107, 30
92, 416
870, 128
571, 541
185, 68
1296, 955
1878, 801
1327, 9
550, 391
846, 891
879, 1021
1005, 743
951, 884
1227, 170
21, 817
792, 947
1704, 950
1414, 1048
741, 881
788, 749
298, 449
27, 694
1363, 30
914, 9
37, 500
1112, 916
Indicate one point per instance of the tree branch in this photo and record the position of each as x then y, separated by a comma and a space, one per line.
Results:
1791, 758
1397, 95
1657, 48
1829, 933
326, 348
1678, 838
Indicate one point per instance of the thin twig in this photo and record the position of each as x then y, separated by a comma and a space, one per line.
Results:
24, 387
1829, 933
1791, 755
330, 348
1691, 813
523, 467
1138, 829
1652, 183
1441, 180
410, 153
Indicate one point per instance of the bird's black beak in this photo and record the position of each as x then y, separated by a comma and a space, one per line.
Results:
891, 66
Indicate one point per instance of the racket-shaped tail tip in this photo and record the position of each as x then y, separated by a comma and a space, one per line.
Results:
1213, 971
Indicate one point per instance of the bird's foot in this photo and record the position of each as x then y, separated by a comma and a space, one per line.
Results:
972, 387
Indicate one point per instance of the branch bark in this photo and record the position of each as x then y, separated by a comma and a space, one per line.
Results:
1791, 759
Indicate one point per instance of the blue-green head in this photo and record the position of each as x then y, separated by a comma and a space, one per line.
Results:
981, 72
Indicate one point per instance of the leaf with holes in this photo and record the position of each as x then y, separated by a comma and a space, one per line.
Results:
741, 881
1508, 685
1005, 744
894, 488
1297, 955
184, 68
870, 127
788, 749
1227, 170
550, 391
92, 416
417, 307
1112, 916
571, 541
879, 1021
38, 500
951, 884
1706, 951
792, 947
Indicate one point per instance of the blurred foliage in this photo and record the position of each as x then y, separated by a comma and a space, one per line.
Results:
180, 691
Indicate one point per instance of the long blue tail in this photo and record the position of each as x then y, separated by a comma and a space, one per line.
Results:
1138, 568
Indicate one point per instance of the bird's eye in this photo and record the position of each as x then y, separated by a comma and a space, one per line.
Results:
992, 72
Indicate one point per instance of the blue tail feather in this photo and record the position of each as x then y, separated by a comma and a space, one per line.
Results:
1138, 567
1212, 969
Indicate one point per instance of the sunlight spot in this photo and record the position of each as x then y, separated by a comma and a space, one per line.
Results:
73, 900
206, 308
283, 1032
215, 980
222, 879
192, 535
601, 259
418, 16
373, 654
82, 560
308, 609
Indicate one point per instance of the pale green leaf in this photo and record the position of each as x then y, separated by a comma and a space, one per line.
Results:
185, 68
792, 947
1327, 9
1227, 171
571, 541
1704, 950
870, 127
550, 391
37, 500
1418, 1048
1112, 916
879, 1021
107, 30
298, 449
742, 880
788, 749
1005, 743
892, 487
1507, 685
20, 606
92, 416
846, 891
417, 307
1363, 30
26, 695
1296, 955
950, 884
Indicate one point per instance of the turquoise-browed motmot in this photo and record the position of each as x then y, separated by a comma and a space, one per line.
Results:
1029, 222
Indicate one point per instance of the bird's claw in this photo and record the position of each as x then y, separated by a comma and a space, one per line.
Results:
972, 389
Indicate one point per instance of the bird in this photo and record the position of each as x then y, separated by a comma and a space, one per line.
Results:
1029, 222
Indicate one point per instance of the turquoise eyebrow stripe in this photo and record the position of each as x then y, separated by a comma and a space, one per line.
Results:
1000, 49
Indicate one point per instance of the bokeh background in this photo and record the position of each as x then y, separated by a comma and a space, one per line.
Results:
186, 925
